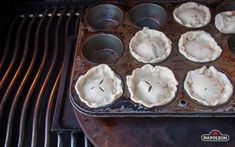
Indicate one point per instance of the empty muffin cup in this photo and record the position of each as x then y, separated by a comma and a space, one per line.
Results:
104, 17
148, 15
231, 43
229, 6
102, 48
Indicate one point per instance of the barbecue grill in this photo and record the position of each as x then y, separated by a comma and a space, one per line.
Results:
36, 49
38, 45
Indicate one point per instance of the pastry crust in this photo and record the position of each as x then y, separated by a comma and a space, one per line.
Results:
199, 46
152, 86
192, 15
225, 22
99, 86
150, 46
208, 86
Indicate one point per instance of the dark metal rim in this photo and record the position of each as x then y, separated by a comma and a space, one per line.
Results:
178, 114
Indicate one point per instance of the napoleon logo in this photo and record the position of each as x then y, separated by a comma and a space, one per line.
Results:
215, 136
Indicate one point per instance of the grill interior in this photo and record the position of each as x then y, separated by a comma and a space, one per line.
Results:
36, 48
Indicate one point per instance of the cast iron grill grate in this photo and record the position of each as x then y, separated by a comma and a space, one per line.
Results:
34, 53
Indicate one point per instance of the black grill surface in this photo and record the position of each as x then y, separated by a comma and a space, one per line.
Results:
36, 48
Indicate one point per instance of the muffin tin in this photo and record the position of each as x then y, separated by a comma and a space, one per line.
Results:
106, 39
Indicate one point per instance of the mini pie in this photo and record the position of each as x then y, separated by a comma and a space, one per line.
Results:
99, 86
208, 86
199, 46
192, 15
225, 22
150, 46
152, 86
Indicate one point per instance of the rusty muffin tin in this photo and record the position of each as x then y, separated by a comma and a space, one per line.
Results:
119, 26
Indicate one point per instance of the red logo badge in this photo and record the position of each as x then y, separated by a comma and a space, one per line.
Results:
215, 136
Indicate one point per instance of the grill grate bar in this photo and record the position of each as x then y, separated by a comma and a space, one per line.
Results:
87, 142
48, 113
44, 86
35, 81
59, 140
7, 45
20, 89
73, 139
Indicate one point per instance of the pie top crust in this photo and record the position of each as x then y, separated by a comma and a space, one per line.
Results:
150, 46
199, 46
152, 86
192, 15
225, 22
208, 86
99, 87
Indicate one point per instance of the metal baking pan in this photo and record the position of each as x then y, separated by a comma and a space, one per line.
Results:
182, 105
